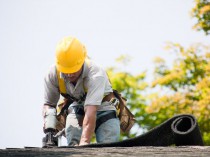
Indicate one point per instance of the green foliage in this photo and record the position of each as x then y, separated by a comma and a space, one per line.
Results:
186, 86
182, 89
201, 12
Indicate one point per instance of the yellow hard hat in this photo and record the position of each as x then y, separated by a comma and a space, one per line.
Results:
70, 55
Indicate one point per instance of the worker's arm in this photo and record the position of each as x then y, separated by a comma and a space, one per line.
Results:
89, 123
51, 97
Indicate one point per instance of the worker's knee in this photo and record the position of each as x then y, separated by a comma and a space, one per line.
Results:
73, 129
108, 131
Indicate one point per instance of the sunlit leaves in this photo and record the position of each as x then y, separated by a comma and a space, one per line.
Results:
182, 88
124, 59
188, 86
201, 12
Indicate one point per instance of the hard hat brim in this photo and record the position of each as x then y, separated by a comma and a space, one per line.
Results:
69, 70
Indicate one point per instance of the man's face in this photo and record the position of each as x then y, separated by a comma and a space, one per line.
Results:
73, 77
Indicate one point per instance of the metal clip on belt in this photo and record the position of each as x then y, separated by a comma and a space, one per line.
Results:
115, 102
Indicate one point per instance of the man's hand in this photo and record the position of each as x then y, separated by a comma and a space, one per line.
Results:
89, 123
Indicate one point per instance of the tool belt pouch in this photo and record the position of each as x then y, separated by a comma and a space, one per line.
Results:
125, 116
62, 112
61, 121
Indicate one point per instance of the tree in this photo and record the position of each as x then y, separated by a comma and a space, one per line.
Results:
186, 87
201, 12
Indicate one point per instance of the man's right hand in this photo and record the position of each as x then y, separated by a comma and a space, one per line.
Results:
49, 115
50, 120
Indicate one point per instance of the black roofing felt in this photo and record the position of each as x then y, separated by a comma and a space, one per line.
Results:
180, 130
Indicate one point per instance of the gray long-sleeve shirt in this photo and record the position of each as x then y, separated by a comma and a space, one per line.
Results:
93, 81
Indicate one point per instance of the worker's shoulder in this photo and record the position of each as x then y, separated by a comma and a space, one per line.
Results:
52, 69
94, 69
51, 72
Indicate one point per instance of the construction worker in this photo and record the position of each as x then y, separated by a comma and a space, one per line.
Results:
89, 86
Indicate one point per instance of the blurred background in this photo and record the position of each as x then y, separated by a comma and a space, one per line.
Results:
157, 54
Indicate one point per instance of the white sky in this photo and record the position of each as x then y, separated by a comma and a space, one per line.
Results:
30, 30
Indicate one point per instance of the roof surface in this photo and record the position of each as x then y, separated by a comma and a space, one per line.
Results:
191, 151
